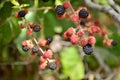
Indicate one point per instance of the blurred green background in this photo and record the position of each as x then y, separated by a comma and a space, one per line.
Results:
18, 65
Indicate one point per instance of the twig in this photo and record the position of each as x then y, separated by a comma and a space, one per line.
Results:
106, 8
15, 63
101, 62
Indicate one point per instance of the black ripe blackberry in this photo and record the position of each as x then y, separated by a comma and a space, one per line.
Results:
25, 48
35, 49
22, 13
36, 28
52, 65
88, 49
82, 22
45, 0
114, 43
60, 10
83, 13
49, 40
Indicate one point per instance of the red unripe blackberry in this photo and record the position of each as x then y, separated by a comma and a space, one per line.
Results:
22, 13
60, 10
24, 43
66, 5
83, 42
35, 49
88, 49
36, 28
65, 35
80, 34
29, 32
25, 48
74, 18
96, 22
91, 40
42, 59
70, 31
95, 29
114, 43
43, 66
45, 0
47, 54
42, 42
83, 13
74, 39
52, 65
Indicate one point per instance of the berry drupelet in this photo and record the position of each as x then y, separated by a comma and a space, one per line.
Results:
25, 48
88, 49
36, 28
83, 13
52, 65
35, 49
60, 10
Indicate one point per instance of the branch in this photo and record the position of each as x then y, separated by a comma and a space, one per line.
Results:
101, 62
106, 8
15, 63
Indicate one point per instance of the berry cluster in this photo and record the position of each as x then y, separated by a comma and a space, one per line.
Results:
36, 47
84, 33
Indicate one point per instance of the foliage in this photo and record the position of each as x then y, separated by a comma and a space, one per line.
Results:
72, 66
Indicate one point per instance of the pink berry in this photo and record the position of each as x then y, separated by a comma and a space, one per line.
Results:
70, 31
95, 29
48, 54
43, 66
42, 42
91, 40
83, 42
24, 43
66, 5
80, 34
74, 39
42, 59
29, 32
65, 35
96, 22
74, 18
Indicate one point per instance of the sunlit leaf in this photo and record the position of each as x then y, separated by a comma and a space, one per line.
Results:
24, 5
14, 2
72, 64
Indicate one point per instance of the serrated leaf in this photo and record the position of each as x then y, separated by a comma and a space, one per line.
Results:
24, 5
14, 2
72, 64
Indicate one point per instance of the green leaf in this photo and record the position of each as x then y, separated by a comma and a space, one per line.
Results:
72, 64
24, 5
19, 40
58, 2
14, 2
14, 26
5, 11
5, 34
103, 2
